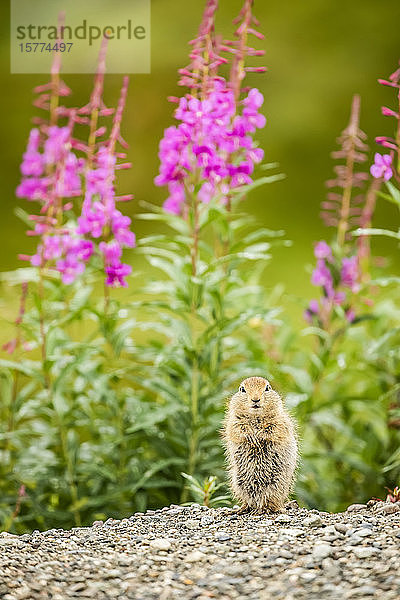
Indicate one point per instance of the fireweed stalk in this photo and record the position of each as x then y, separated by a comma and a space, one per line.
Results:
212, 148
53, 174
78, 224
211, 153
385, 170
339, 270
388, 165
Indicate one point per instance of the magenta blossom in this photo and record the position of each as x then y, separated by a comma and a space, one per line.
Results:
70, 254
101, 219
56, 145
63, 180
116, 270
116, 274
313, 306
323, 277
32, 163
211, 144
333, 294
53, 173
350, 273
311, 311
67, 249
382, 166
350, 315
323, 250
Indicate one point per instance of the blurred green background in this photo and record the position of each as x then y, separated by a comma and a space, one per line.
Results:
318, 54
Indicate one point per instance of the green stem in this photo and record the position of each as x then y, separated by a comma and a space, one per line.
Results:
398, 138
70, 471
106, 299
11, 416
195, 233
345, 210
123, 445
43, 337
194, 433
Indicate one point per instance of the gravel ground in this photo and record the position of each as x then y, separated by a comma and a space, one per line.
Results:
202, 553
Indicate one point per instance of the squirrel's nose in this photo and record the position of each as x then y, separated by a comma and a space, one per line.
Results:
255, 400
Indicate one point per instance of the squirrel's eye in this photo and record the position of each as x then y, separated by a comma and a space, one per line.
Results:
241, 389
267, 387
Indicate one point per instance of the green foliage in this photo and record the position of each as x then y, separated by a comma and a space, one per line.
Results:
73, 429
203, 492
202, 339
341, 389
95, 425
117, 405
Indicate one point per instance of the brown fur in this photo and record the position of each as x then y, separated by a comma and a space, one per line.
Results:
261, 447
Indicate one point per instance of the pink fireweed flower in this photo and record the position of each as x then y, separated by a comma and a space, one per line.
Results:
322, 276
52, 172
56, 145
32, 188
116, 274
323, 250
116, 270
98, 209
211, 141
350, 273
311, 311
176, 199
382, 166
68, 183
101, 219
69, 252
65, 178
120, 225
339, 298
32, 163
70, 267
332, 286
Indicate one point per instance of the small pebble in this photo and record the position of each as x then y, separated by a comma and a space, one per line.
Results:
321, 550
283, 519
160, 544
312, 521
292, 532
364, 551
195, 556
356, 507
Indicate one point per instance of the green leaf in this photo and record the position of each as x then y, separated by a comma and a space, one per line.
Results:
80, 298
300, 376
18, 276
385, 281
30, 368
394, 193
174, 222
268, 166
377, 231
149, 474
60, 403
245, 189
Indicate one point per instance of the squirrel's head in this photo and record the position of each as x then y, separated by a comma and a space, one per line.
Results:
255, 397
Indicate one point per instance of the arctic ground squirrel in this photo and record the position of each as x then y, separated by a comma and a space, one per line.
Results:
261, 447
